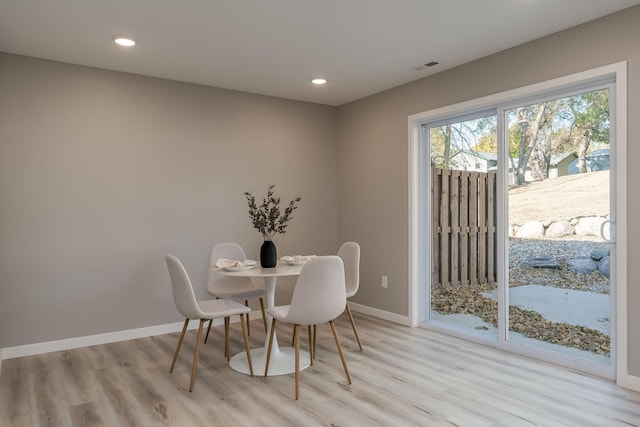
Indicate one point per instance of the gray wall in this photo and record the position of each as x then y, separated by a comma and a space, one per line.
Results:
373, 148
103, 173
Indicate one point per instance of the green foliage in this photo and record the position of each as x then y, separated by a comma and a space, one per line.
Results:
536, 132
591, 114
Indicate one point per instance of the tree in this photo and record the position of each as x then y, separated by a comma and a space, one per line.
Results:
539, 131
530, 121
536, 132
591, 122
449, 140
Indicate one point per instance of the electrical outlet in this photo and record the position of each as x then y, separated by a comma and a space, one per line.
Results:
385, 281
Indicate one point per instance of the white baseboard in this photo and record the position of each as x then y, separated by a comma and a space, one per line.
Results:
631, 382
70, 343
381, 314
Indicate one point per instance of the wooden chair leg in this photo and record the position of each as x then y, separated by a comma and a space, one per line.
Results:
246, 343
344, 362
175, 355
293, 340
314, 341
353, 326
246, 303
273, 330
195, 354
226, 338
296, 332
264, 315
310, 333
206, 337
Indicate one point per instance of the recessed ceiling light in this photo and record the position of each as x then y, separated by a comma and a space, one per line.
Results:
124, 41
319, 82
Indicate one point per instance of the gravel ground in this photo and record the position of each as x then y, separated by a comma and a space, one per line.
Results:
522, 250
469, 299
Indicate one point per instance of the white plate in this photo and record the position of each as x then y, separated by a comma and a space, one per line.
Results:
296, 262
239, 268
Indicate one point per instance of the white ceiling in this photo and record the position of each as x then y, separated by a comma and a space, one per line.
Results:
275, 47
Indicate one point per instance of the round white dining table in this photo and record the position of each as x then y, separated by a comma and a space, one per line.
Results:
282, 358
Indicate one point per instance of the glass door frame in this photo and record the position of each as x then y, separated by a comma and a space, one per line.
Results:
419, 208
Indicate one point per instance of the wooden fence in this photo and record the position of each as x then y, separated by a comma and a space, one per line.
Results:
463, 228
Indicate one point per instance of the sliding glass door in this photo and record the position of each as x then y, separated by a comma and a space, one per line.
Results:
559, 210
518, 217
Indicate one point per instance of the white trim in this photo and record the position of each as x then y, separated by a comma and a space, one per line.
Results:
71, 343
620, 321
380, 314
617, 71
414, 223
631, 382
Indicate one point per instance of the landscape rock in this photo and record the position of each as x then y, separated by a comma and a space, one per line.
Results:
583, 265
544, 261
559, 229
531, 230
598, 254
590, 226
604, 266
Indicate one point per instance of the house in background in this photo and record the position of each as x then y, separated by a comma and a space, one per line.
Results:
560, 164
485, 161
475, 161
596, 161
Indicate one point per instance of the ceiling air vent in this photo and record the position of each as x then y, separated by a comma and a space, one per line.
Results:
423, 66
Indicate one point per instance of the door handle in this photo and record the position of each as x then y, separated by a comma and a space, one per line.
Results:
610, 233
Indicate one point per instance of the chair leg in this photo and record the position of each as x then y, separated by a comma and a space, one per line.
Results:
273, 330
353, 326
310, 333
246, 343
296, 332
344, 362
264, 315
314, 341
293, 340
246, 303
226, 337
206, 337
175, 355
195, 354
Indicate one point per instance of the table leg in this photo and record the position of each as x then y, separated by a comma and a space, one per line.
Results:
282, 358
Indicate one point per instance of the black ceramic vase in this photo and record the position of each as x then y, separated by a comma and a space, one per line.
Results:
268, 254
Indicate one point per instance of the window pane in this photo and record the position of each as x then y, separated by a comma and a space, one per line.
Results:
463, 161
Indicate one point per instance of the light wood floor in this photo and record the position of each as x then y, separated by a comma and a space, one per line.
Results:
403, 377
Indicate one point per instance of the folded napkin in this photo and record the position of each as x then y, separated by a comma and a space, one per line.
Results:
223, 262
297, 258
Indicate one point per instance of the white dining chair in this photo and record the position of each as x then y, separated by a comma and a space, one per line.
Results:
237, 288
319, 296
350, 254
187, 304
